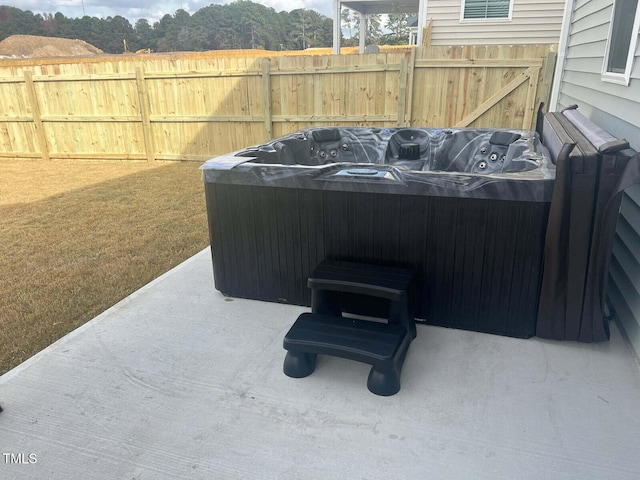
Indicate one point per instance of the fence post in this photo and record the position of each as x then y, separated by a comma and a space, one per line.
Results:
548, 69
35, 113
266, 88
402, 93
411, 69
530, 108
426, 34
143, 100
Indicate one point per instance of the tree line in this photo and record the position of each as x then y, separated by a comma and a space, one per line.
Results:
397, 31
241, 24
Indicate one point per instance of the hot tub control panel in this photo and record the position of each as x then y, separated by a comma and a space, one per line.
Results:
365, 174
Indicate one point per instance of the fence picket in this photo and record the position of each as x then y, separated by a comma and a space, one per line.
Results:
143, 99
35, 113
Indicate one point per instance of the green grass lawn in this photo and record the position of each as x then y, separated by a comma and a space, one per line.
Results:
77, 237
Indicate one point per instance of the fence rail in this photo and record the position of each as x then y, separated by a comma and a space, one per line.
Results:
194, 106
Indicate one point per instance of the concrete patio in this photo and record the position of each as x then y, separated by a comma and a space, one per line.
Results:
177, 381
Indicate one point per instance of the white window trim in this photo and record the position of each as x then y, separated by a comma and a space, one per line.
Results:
485, 20
621, 78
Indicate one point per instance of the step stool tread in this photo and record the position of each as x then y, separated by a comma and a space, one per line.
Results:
356, 339
381, 281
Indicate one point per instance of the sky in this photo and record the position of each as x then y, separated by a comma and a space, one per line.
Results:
152, 10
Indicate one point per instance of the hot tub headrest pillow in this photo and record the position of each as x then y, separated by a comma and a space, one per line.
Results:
321, 135
504, 138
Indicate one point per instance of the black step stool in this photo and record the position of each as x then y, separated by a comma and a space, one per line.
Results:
326, 332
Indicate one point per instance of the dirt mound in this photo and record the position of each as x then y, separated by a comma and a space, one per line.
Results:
24, 46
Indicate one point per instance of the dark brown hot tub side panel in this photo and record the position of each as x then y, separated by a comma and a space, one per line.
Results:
478, 262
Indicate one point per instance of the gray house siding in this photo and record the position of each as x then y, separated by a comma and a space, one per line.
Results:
617, 109
532, 22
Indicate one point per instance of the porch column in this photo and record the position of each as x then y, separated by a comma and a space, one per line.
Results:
337, 33
363, 31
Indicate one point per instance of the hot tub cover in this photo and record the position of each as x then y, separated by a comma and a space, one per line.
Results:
593, 170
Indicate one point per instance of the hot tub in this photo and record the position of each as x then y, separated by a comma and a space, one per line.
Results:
466, 208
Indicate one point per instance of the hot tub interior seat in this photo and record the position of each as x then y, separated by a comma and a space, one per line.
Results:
463, 150
416, 149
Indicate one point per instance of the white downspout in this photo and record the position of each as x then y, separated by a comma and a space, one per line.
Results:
422, 16
562, 52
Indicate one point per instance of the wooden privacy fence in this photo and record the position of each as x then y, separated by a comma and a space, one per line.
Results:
192, 106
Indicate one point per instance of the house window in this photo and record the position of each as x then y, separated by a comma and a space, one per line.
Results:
621, 42
486, 9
